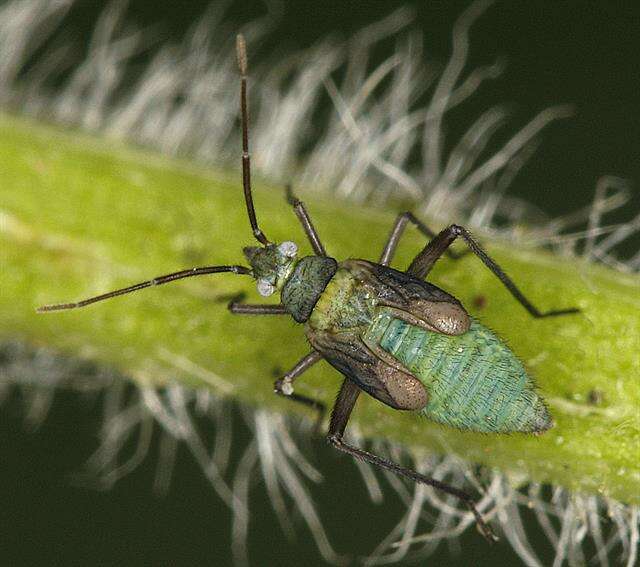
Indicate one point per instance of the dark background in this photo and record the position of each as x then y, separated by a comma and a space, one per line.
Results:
582, 53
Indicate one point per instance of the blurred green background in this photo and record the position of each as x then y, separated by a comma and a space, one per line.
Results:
580, 53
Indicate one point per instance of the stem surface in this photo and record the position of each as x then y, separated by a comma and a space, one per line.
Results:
80, 216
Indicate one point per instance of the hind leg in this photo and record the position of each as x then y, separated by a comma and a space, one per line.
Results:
425, 260
398, 230
340, 416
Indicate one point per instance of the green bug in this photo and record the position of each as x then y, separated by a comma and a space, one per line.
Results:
399, 338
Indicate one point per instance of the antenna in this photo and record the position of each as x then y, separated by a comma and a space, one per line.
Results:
241, 51
149, 283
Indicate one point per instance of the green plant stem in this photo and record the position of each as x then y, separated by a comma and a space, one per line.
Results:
80, 216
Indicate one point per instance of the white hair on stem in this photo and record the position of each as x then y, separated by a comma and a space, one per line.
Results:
579, 528
283, 470
181, 104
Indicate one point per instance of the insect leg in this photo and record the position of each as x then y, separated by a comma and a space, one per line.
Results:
305, 220
398, 230
149, 283
237, 307
345, 402
425, 260
251, 309
284, 386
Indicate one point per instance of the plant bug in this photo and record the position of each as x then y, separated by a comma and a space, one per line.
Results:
399, 338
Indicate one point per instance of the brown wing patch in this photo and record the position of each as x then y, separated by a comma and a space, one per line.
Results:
406, 390
417, 302
389, 383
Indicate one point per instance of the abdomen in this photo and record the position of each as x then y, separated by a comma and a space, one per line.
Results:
473, 380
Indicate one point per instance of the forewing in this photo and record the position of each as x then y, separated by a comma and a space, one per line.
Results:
418, 302
388, 383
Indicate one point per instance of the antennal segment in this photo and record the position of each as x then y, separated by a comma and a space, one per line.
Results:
241, 51
149, 283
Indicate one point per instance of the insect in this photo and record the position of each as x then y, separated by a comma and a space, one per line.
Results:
400, 339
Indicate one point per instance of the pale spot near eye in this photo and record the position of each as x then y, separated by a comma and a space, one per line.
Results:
288, 248
265, 289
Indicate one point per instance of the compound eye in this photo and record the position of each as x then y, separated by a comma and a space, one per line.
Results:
265, 289
288, 249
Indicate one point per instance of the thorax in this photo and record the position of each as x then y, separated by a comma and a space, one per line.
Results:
346, 303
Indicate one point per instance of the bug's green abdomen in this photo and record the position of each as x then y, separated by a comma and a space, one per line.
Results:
473, 380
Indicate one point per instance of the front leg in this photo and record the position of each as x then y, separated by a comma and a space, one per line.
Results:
237, 307
342, 409
305, 220
398, 230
